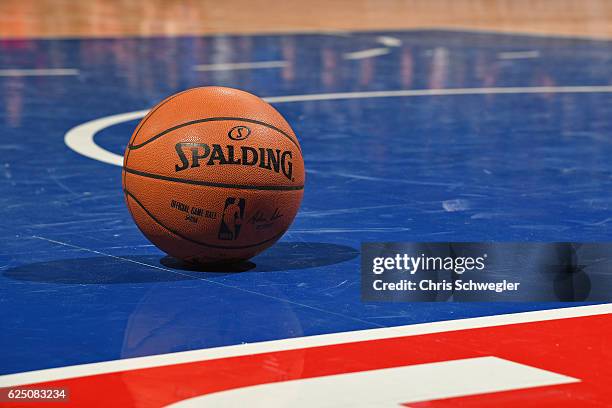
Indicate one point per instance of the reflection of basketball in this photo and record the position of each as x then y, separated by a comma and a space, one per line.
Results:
213, 174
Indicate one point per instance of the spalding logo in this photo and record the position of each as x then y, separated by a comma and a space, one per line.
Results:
239, 133
275, 160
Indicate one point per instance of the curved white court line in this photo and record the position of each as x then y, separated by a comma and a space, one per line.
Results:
81, 138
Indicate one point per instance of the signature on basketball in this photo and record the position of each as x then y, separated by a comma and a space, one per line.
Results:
261, 221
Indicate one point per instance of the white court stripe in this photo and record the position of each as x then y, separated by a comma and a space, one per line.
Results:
388, 387
240, 65
518, 55
441, 92
81, 138
388, 41
61, 373
372, 52
38, 72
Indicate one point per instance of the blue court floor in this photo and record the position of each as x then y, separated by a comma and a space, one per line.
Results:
407, 136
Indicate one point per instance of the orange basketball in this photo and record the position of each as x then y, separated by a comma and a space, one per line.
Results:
213, 174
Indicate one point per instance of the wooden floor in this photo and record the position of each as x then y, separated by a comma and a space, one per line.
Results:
116, 18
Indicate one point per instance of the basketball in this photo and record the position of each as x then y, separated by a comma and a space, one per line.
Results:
213, 175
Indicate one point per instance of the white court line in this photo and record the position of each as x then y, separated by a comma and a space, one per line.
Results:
442, 92
518, 55
388, 41
369, 53
114, 366
81, 138
240, 65
38, 72
386, 387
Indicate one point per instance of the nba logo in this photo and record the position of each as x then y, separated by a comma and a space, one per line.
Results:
233, 212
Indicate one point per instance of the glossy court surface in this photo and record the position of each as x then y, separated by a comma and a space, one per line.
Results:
407, 136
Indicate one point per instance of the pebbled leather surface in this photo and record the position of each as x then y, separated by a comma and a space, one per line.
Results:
186, 183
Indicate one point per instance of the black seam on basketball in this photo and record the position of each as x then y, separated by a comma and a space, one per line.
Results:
154, 109
141, 124
218, 119
211, 183
178, 234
